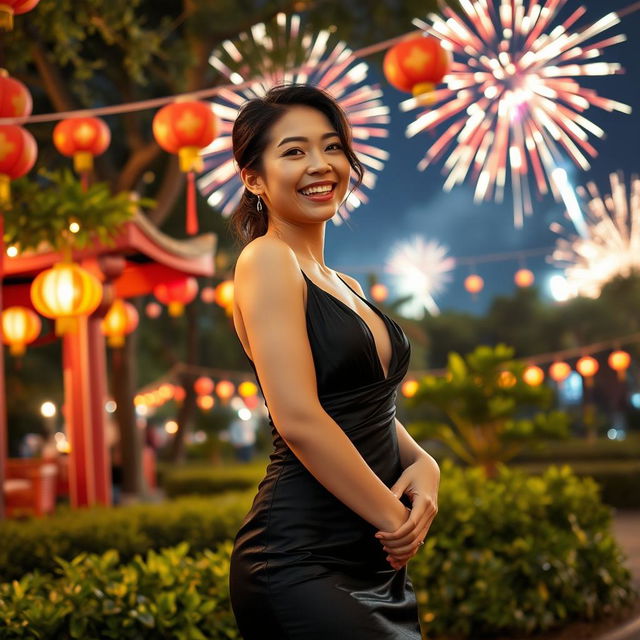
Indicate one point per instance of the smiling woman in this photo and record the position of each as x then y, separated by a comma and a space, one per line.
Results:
322, 552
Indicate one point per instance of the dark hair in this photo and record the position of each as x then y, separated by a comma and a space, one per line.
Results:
249, 139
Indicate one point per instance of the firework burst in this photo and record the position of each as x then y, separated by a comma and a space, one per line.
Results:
511, 101
281, 52
608, 239
422, 271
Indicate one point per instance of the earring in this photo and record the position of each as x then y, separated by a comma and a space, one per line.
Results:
259, 203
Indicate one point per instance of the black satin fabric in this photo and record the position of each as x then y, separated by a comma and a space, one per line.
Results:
304, 566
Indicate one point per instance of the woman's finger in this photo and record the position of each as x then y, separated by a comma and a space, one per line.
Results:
408, 543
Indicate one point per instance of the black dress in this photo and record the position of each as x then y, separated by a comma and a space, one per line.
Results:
304, 566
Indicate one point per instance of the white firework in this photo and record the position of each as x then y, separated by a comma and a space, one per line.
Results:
422, 270
608, 240
280, 52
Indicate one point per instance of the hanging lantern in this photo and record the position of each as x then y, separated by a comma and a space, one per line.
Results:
533, 376
619, 361
205, 402
185, 128
153, 310
9, 8
225, 389
251, 402
203, 386
179, 393
15, 99
82, 139
587, 367
474, 283
247, 388
121, 320
18, 153
409, 388
379, 292
208, 295
524, 277
65, 292
559, 371
224, 293
176, 293
20, 327
416, 64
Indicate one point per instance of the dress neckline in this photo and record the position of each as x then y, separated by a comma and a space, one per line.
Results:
364, 324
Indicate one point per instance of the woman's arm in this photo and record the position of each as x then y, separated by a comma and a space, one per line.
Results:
269, 292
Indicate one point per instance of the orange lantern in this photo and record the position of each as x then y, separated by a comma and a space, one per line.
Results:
506, 379
65, 292
18, 153
9, 8
247, 388
409, 388
179, 394
153, 310
15, 99
474, 283
416, 64
20, 327
225, 389
251, 402
224, 293
185, 128
524, 277
619, 361
205, 402
533, 376
121, 320
82, 138
176, 294
559, 371
379, 292
587, 367
203, 386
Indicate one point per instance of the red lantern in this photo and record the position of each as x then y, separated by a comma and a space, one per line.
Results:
524, 278
619, 361
20, 326
15, 99
18, 153
185, 128
176, 294
416, 64
82, 138
474, 283
9, 8
153, 310
203, 386
559, 371
587, 367
533, 376
121, 320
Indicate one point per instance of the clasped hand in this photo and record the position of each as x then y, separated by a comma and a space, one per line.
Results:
419, 481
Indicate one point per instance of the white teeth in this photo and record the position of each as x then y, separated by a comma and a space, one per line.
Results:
323, 189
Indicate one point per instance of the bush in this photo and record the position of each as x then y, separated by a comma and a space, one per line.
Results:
203, 522
166, 595
517, 554
208, 480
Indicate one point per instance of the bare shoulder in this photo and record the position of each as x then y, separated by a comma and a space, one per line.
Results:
264, 252
353, 283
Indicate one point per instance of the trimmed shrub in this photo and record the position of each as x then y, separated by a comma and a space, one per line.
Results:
166, 595
517, 554
203, 522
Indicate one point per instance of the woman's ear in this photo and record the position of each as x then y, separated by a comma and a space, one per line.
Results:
252, 181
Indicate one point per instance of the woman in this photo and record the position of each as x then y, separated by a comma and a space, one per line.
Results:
322, 553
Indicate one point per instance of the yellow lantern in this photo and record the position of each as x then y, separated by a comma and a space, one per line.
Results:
65, 292
121, 319
619, 361
20, 327
409, 388
205, 402
225, 389
224, 293
587, 367
247, 388
533, 376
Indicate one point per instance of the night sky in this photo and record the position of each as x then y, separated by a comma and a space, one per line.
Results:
406, 201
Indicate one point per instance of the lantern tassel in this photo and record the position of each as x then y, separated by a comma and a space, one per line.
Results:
6, 17
192, 211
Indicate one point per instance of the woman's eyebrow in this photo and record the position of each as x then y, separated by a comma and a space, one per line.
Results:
303, 139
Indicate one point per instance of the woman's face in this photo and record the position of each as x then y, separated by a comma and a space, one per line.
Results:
305, 169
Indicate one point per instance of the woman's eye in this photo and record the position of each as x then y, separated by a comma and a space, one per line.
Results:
335, 144
288, 152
